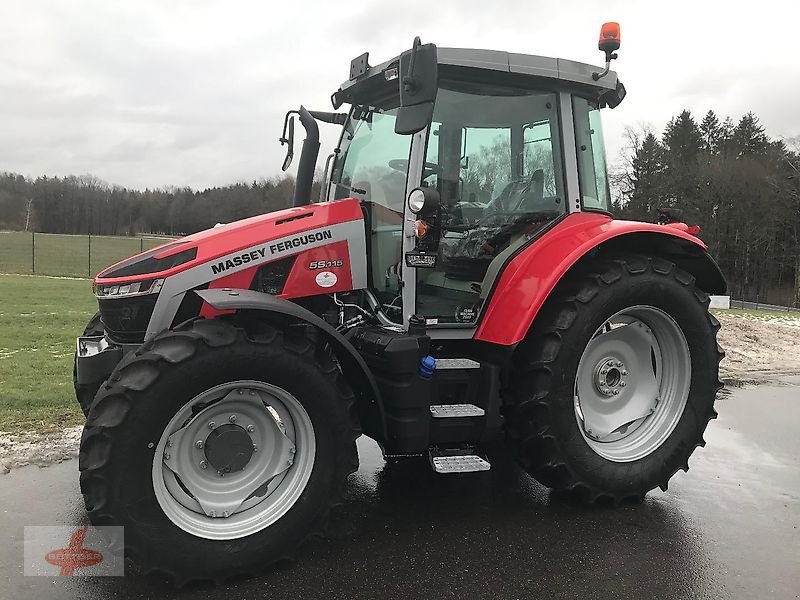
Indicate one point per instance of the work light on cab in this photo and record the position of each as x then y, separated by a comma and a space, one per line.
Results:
423, 200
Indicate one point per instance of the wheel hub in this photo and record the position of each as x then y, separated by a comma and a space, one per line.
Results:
229, 448
632, 383
610, 376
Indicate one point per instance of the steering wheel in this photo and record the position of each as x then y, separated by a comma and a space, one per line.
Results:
401, 164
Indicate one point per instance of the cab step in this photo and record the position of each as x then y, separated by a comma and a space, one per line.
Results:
458, 463
453, 411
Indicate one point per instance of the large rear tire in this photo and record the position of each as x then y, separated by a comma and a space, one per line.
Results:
615, 383
220, 447
85, 393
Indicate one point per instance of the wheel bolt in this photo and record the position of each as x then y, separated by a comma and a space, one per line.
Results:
622, 384
166, 456
250, 429
203, 464
169, 443
603, 371
255, 448
232, 418
616, 392
211, 424
199, 444
624, 373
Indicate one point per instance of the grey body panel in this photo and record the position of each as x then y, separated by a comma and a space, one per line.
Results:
370, 404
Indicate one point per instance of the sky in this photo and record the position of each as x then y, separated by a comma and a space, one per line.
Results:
193, 92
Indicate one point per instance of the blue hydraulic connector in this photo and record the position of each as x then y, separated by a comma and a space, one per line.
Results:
427, 365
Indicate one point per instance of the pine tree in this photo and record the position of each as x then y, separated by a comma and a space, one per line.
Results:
749, 136
711, 131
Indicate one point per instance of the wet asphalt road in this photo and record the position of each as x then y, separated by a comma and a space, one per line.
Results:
727, 529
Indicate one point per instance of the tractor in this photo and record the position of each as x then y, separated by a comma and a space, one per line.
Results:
459, 281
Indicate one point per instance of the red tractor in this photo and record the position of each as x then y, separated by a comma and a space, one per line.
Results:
460, 281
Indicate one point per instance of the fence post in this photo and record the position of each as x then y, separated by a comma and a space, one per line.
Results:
33, 252
141, 245
89, 270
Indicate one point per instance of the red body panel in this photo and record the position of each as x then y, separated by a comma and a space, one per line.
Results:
529, 278
334, 274
219, 241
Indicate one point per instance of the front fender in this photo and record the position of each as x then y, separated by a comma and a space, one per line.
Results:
531, 275
355, 370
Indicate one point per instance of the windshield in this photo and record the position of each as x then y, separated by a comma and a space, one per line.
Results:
373, 160
494, 155
372, 166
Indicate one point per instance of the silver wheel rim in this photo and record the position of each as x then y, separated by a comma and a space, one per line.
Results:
632, 383
189, 473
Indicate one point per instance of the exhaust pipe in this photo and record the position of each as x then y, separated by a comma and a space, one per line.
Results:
308, 159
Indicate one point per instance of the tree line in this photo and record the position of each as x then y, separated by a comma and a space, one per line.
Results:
88, 205
732, 179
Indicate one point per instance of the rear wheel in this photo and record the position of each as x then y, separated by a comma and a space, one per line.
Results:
85, 392
220, 447
616, 382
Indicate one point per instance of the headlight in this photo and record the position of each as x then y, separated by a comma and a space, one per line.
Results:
129, 290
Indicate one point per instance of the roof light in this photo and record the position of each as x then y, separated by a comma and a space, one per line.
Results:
609, 37
609, 43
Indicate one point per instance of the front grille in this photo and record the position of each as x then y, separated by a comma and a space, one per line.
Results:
125, 319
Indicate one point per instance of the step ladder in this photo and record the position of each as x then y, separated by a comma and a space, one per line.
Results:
456, 411
457, 461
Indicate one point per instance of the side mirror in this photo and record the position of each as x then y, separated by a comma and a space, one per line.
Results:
419, 78
288, 139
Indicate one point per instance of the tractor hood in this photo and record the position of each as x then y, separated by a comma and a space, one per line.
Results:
250, 237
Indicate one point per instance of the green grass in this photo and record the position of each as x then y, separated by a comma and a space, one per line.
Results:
39, 320
66, 255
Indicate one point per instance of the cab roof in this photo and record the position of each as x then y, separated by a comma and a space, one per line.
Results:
541, 67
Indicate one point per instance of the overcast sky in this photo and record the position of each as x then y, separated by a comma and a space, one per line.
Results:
154, 93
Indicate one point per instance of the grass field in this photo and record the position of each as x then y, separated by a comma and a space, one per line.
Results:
66, 255
39, 320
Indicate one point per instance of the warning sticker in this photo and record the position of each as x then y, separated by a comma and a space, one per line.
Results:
326, 279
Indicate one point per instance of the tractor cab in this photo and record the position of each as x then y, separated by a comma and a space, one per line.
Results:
495, 147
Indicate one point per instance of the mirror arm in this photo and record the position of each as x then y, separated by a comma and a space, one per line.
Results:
409, 81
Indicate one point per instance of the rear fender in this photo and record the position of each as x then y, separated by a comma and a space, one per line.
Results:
530, 277
355, 370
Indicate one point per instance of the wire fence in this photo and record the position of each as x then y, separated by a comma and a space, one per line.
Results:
744, 305
29, 253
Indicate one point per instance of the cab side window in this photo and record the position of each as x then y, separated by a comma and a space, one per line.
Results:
591, 155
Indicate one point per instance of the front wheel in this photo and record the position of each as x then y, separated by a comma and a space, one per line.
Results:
220, 447
615, 384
